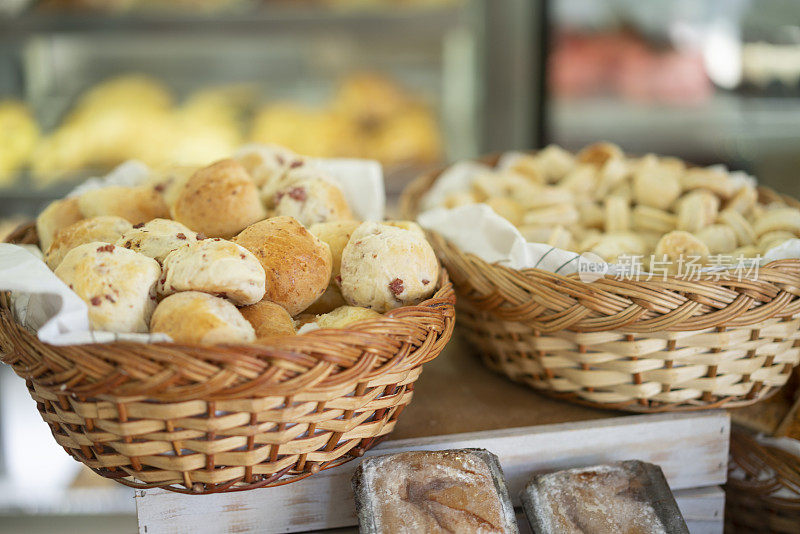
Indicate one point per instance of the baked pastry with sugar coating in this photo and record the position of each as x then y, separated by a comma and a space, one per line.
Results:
134, 204
312, 201
117, 284
106, 229
219, 200
268, 319
157, 238
344, 316
297, 264
384, 267
56, 215
196, 318
336, 234
214, 266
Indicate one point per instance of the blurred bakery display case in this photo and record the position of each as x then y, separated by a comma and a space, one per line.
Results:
92, 83
707, 81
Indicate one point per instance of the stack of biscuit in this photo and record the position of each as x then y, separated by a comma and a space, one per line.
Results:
618, 207
240, 250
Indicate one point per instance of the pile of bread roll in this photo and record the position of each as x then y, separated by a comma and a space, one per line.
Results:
618, 207
240, 250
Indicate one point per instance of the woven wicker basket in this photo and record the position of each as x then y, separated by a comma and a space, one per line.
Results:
206, 419
763, 489
643, 346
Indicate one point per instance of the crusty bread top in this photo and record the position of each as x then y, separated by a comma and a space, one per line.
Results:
59, 214
192, 317
268, 319
106, 229
134, 204
156, 238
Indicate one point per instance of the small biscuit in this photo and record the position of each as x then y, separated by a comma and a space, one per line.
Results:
384, 267
312, 201
268, 319
297, 263
156, 238
219, 200
656, 185
718, 238
697, 210
134, 204
680, 246
709, 179
57, 215
214, 266
196, 318
117, 284
599, 153
336, 234
344, 316
106, 229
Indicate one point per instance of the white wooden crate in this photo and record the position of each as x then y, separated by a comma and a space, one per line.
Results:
691, 448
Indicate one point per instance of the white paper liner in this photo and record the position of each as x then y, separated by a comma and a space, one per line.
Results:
478, 229
45, 305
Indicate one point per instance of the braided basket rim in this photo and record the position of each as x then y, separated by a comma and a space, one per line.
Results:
319, 362
549, 302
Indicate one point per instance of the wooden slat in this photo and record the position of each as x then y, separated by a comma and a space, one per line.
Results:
703, 509
691, 448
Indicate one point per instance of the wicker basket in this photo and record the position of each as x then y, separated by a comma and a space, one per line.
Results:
643, 346
763, 489
206, 419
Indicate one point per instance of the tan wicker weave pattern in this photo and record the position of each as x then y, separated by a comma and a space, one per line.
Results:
763, 489
664, 344
222, 418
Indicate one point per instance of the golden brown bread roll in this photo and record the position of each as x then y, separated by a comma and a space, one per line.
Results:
384, 267
156, 238
345, 315
117, 284
134, 204
169, 181
312, 201
336, 234
329, 301
219, 200
266, 163
197, 318
214, 266
296, 263
268, 319
106, 229
56, 216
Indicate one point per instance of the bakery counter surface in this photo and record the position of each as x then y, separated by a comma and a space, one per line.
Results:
460, 404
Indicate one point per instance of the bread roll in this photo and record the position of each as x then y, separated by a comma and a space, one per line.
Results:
56, 216
157, 238
266, 163
117, 284
134, 204
345, 315
297, 171
384, 267
329, 301
268, 319
219, 200
297, 264
169, 181
106, 229
196, 318
336, 234
214, 266
312, 201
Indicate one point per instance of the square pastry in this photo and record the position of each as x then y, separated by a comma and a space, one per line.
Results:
433, 491
628, 497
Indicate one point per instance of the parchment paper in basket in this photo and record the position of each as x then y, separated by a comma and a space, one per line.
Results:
45, 305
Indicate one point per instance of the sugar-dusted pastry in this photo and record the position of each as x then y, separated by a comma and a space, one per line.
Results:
312, 201
268, 319
156, 238
631, 497
196, 318
106, 229
219, 200
266, 163
345, 315
117, 284
384, 267
134, 204
336, 234
297, 264
214, 266
57, 215
434, 492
